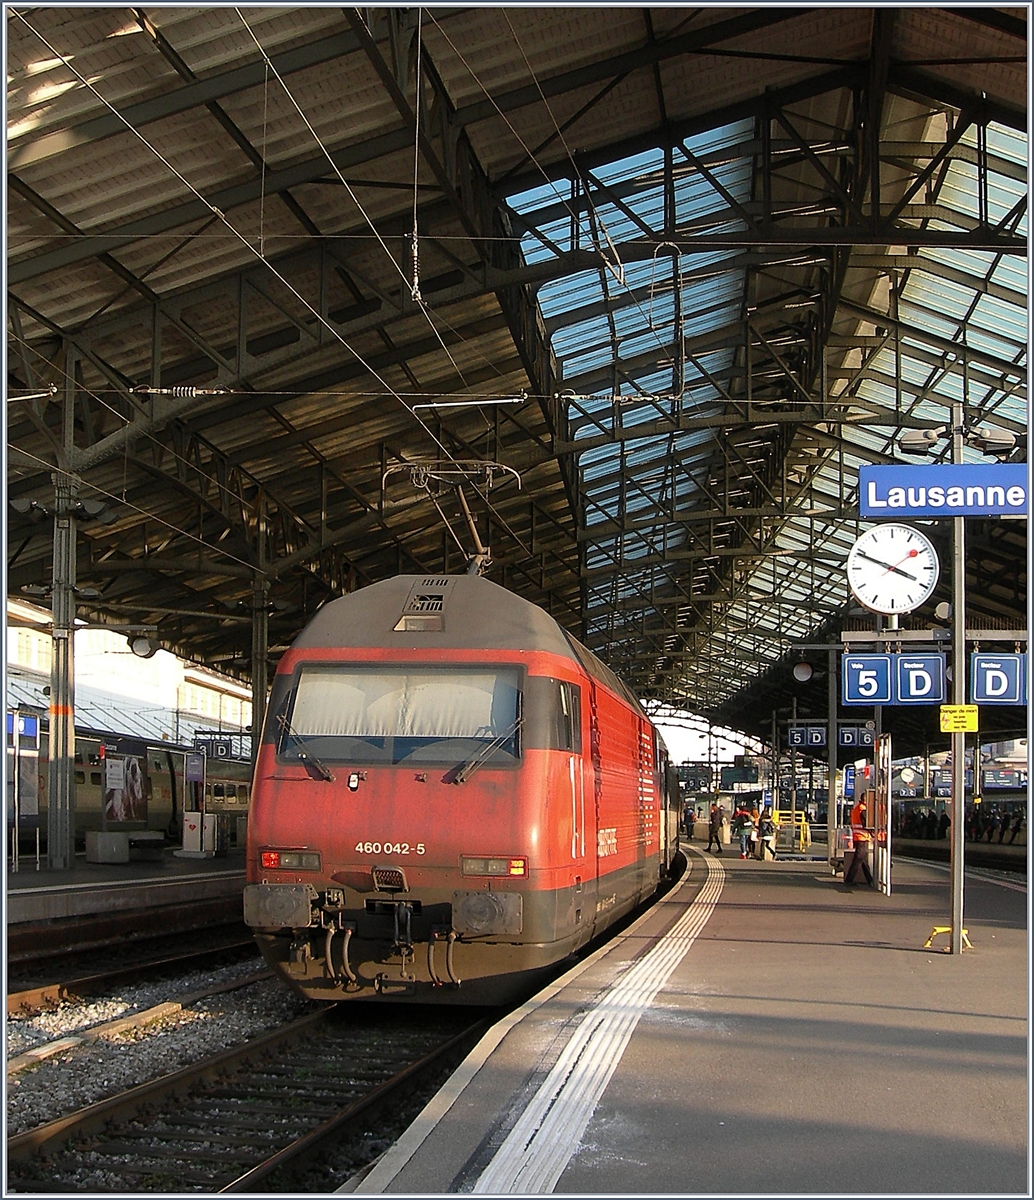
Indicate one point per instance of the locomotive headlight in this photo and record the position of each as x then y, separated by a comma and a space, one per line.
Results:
510, 867
290, 860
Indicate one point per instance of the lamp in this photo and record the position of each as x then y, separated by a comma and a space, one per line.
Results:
32, 509
803, 671
988, 440
920, 441
992, 441
142, 646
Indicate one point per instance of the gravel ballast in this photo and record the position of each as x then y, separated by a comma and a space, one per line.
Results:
97, 1069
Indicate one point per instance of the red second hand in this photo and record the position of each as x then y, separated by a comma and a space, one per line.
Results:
911, 554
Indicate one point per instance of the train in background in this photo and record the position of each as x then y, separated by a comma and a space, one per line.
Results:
136, 783
451, 796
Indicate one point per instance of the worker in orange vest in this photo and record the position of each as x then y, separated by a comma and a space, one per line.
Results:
862, 839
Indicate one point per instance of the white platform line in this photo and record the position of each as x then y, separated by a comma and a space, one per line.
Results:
108, 885
546, 1135
979, 873
394, 1160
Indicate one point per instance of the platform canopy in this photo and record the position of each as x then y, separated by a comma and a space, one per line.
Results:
616, 301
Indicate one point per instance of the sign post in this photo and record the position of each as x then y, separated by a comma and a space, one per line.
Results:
958, 739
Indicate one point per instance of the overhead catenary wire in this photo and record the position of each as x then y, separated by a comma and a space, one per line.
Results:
244, 241
619, 271
532, 157
270, 66
221, 486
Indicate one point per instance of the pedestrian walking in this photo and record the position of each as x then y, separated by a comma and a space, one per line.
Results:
714, 826
861, 837
766, 836
742, 827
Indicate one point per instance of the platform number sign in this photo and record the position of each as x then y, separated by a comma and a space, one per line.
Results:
867, 679
999, 679
919, 678
893, 679
806, 737
853, 735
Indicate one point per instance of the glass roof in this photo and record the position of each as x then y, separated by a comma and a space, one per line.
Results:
631, 340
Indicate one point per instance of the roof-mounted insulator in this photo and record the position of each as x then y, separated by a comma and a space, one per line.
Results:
181, 393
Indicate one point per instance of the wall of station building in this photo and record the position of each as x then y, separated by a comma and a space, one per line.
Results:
181, 695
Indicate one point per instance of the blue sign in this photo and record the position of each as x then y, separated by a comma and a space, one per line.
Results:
855, 735
194, 768
806, 736
215, 747
998, 679
28, 726
945, 490
848, 781
867, 679
919, 678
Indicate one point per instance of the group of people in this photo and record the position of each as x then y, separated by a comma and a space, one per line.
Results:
923, 823
755, 830
981, 824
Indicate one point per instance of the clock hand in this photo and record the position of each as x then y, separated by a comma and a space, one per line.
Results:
889, 566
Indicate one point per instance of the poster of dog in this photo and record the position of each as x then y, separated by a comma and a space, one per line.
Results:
125, 788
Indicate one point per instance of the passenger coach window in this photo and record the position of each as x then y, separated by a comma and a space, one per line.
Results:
344, 713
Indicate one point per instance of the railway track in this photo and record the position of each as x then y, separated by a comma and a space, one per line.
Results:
33, 999
235, 1119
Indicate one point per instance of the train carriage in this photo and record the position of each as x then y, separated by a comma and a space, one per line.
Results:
451, 795
155, 792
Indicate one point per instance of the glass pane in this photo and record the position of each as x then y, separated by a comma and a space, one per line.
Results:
378, 714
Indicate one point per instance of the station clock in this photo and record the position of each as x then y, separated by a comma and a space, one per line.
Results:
892, 568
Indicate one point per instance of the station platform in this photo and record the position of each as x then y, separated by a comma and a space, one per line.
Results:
998, 856
763, 1029
90, 889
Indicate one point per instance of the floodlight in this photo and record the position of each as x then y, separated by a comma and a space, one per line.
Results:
919, 441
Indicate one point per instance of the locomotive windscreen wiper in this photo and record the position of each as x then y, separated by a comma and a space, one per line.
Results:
468, 767
311, 763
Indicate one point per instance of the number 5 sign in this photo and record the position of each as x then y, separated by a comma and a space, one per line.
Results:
867, 679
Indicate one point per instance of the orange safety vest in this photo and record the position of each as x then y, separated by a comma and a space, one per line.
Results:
860, 833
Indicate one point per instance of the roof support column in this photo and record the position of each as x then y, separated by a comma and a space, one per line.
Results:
61, 773
259, 634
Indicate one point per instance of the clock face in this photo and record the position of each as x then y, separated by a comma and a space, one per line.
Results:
892, 568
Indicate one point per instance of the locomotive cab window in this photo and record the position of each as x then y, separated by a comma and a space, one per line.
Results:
419, 715
553, 710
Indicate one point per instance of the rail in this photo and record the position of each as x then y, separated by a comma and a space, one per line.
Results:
311, 1077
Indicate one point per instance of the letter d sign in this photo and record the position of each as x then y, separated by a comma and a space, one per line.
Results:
998, 679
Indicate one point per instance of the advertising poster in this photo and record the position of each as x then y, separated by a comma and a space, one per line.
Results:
125, 786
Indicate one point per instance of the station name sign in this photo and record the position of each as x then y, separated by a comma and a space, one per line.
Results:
945, 490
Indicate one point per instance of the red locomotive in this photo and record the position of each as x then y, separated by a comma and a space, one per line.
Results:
451, 795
